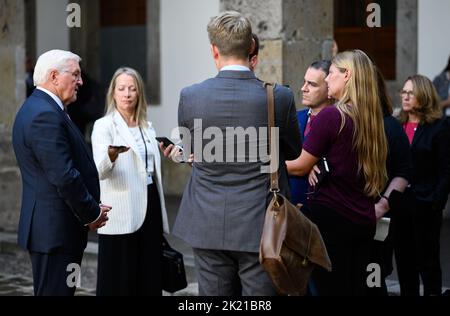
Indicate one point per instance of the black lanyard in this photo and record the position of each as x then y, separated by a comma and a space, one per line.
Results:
145, 146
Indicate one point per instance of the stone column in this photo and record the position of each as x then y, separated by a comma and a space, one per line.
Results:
406, 47
12, 95
153, 52
30, 30
85, 40
293, 34
407, 23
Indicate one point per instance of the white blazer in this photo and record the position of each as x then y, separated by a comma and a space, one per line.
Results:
123, 184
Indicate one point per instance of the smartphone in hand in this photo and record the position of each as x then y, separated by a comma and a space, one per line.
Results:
324, 171
167, 142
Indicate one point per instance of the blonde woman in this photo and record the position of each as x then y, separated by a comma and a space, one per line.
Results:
350, 135
417, 246
128, 162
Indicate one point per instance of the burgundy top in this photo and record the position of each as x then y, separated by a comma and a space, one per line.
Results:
343, 190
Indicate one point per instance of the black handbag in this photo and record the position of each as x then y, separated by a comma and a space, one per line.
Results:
173, 273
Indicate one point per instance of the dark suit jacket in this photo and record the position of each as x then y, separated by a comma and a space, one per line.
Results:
224, 203
399, 153
299, 185
60, 181
430, 151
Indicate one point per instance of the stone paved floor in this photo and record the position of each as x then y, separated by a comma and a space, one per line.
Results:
13, 285
16, 276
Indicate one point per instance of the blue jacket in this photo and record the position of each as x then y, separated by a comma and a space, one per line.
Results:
60, 181
299, 185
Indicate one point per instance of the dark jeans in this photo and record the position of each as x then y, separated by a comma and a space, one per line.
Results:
348, 246
417, 247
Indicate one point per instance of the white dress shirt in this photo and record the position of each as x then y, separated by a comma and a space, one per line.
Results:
235, 68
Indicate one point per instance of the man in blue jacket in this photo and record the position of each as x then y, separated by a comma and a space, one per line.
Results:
61, 194
315, 98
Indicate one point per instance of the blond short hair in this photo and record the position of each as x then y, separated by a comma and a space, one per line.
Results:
231, 32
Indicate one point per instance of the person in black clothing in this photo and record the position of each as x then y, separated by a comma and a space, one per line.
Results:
417, 250
29, 82
399, 171
89, 105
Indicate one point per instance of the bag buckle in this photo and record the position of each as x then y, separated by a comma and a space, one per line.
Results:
275, 195
305, 262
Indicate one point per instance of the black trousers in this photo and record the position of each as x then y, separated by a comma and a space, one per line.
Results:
417, 247
382, 252
348, 246
53, 273
130, 264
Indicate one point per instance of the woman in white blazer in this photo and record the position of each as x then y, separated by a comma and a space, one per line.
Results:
128, 161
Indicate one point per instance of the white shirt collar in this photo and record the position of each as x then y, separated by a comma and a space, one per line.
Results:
235, 68
53, 96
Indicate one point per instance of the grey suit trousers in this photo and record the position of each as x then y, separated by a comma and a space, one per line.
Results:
231, 273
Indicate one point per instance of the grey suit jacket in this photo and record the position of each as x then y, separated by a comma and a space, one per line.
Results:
224, 203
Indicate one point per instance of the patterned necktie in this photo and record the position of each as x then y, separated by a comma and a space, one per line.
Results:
308, 124
67, 113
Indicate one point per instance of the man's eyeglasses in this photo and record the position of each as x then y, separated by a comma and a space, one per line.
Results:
404, 93
76, 75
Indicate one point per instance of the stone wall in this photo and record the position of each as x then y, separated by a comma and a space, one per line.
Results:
307, 36
10, 185
12, 57
12, 94
293, 34
406, 60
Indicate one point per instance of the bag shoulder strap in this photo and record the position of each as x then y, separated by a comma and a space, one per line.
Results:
271, 118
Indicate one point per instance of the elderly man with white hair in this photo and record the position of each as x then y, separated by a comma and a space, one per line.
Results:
61, 194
